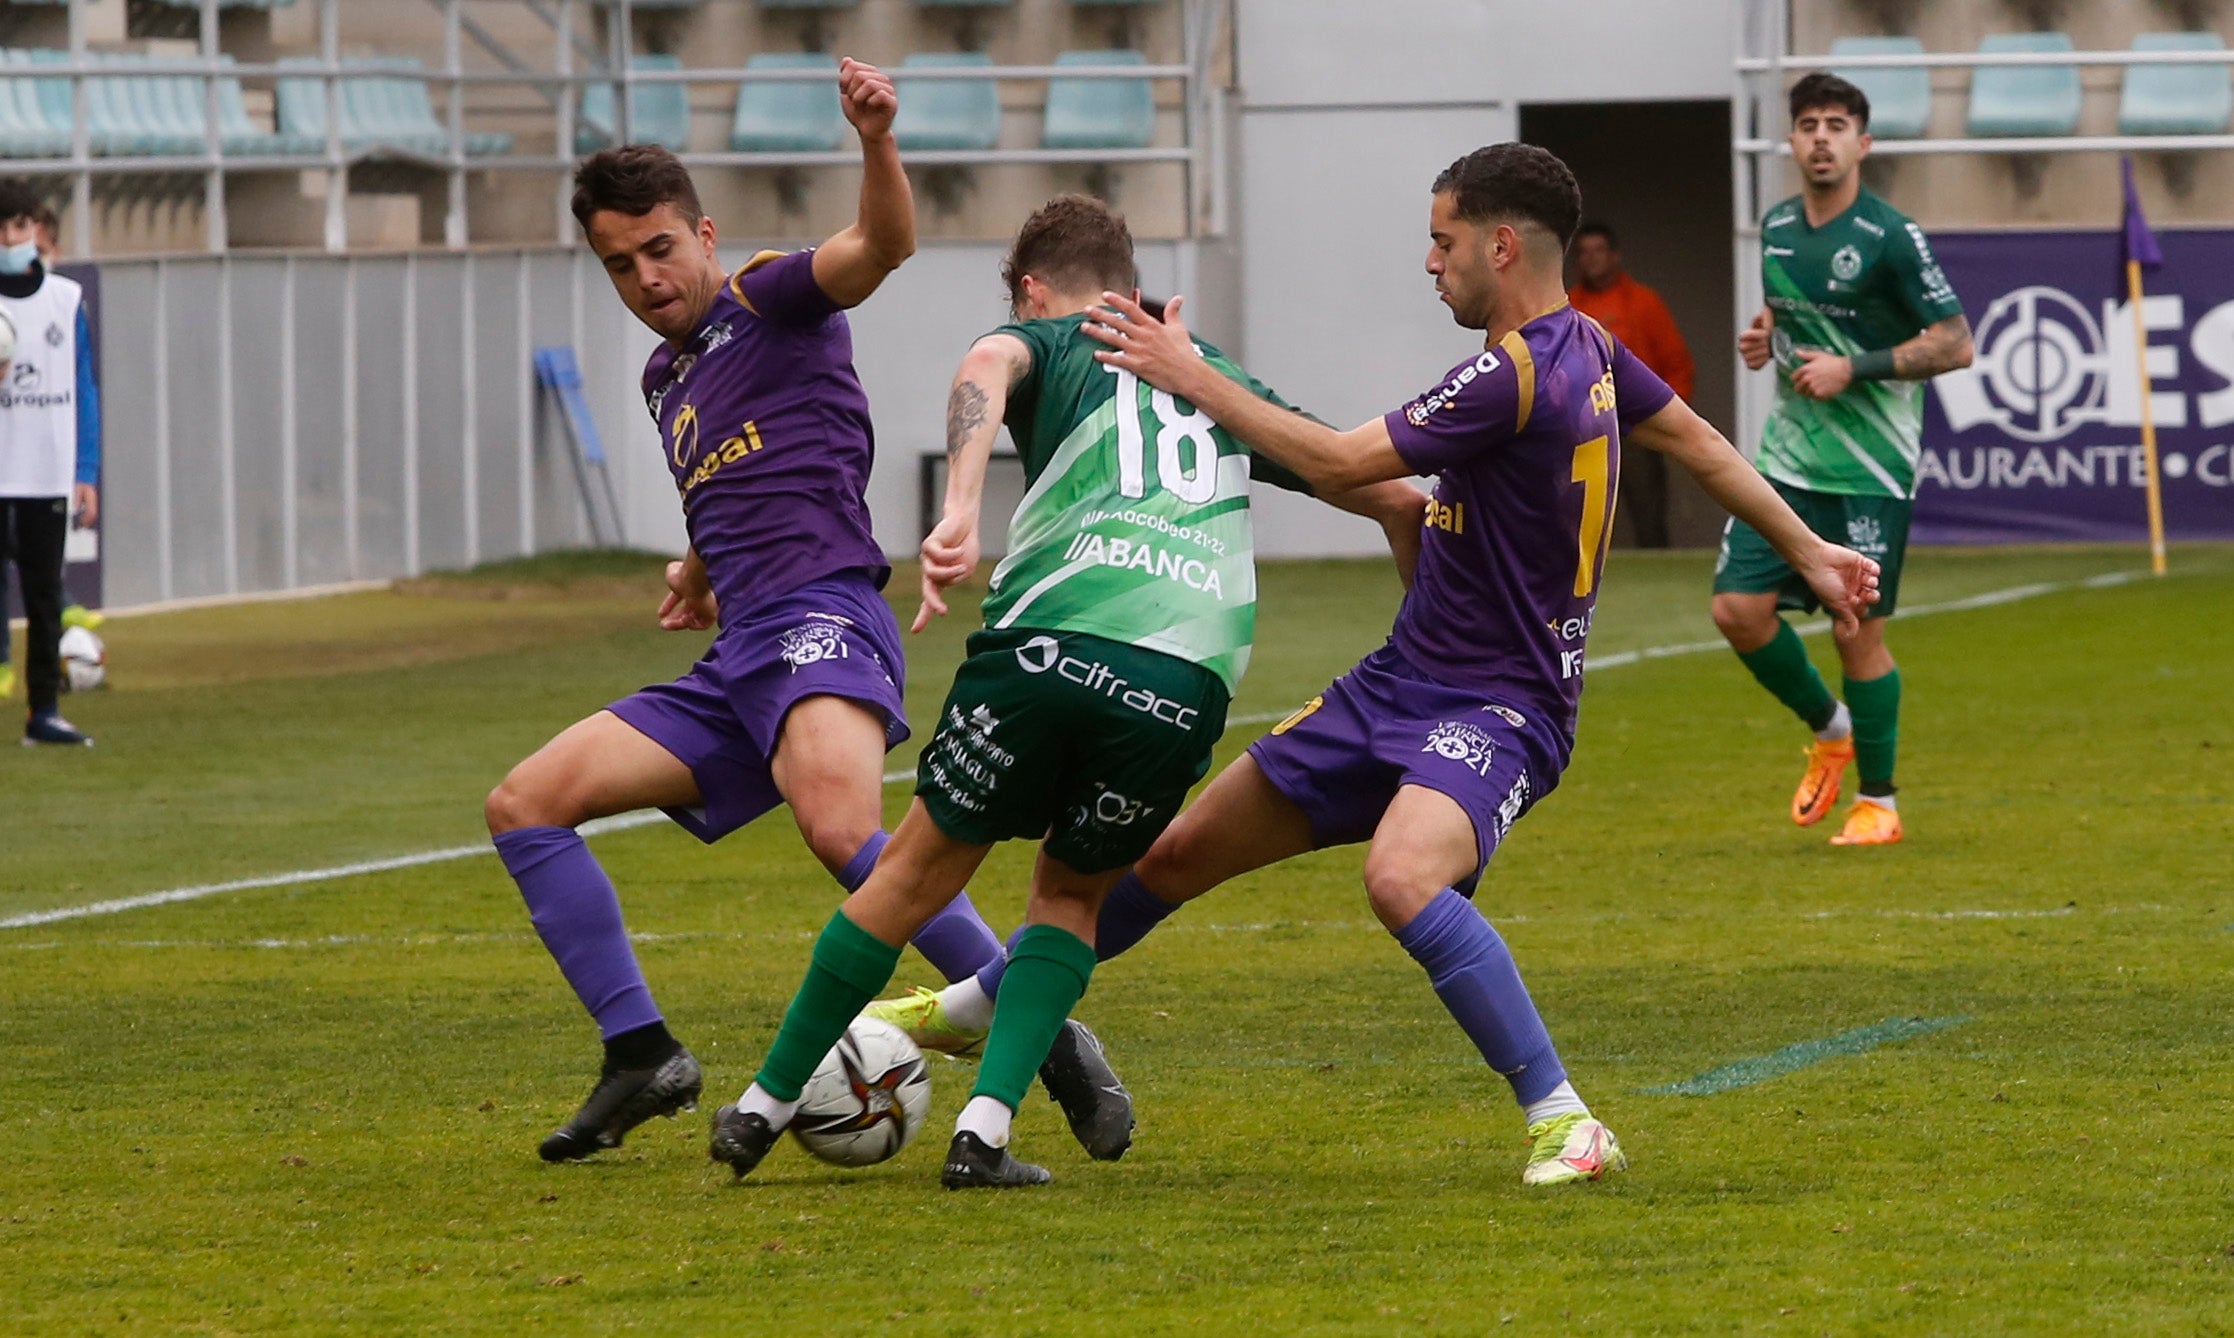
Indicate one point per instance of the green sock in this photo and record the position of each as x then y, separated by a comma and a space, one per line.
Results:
1047, 974
850, 965
1875, 703
1783, 668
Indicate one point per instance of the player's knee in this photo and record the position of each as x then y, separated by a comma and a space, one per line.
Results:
1743, 622
1398, 887
835, 839
517, 802
1168, 868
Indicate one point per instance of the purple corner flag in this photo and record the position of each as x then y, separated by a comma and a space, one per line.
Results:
2140, 243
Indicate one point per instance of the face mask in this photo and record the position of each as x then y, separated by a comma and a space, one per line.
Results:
19, 258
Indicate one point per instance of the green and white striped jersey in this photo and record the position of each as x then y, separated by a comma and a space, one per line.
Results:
1865, 280
1135, 519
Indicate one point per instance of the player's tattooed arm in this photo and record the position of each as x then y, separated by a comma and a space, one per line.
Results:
1162, 353
1845, 581
974, 409
851, 264
1943, 346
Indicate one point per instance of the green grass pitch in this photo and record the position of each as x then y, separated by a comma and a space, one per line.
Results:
313, 1109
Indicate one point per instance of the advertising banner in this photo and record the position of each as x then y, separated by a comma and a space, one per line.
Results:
2039, 440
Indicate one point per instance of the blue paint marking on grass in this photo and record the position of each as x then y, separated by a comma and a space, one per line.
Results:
1747, 1072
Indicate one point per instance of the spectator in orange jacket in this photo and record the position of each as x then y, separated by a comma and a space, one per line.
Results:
1637, 317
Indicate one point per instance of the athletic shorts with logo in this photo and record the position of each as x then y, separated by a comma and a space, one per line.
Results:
1875, 527
1089, 743
1387, 724
836, 637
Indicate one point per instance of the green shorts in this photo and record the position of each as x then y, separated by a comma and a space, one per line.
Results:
1089, 743
1875, 527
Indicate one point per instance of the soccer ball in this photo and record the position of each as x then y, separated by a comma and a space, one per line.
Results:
85, 661
867, 1098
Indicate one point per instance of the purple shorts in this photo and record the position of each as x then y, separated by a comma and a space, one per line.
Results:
1384, 725
836, 637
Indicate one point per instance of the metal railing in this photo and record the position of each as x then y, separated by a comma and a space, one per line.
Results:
1200, 151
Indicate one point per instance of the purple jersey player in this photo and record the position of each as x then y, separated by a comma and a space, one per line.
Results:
767, 431
1433, 745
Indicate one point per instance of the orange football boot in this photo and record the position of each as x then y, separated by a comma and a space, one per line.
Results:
1826, 764
1869, 824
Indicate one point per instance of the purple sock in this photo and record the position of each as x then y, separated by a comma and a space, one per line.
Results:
956, 942
1473, 973
1127, 914
578, 917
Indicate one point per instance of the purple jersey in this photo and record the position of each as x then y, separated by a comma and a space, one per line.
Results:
1525, 443
767, 433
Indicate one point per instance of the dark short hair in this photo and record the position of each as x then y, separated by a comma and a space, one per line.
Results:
1073, 243
1509, 181
633, 179
1594, 228
18, 200
1821, 89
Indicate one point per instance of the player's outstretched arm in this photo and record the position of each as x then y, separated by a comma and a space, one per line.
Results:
854, 262
1400, 509
1161, 353
690, 605
974, 409
1844, 580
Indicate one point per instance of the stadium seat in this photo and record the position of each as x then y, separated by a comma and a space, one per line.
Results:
2024, 100
241, 135
1899, 99
788, 117
384, 105
657, 113
948, 113
26, 131
2176, 99
1099, 113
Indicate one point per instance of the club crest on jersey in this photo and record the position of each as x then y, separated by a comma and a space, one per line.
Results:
54, 334
1461, 742
1866, 535
811, 643
1846, 263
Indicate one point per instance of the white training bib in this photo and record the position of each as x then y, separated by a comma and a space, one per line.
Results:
38, 398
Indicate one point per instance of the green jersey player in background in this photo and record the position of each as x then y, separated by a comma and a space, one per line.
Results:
1115, 631
1858, 315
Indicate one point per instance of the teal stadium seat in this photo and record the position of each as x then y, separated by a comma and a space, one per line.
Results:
242, 136
947, 114
1099, 113
384, 104
789, 117
25, 129
1899, 99
2024, 100
2176, 99
657, 113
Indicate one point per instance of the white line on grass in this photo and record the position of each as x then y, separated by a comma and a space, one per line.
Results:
645, 817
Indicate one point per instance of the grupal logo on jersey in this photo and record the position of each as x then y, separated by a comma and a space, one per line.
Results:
1420, 410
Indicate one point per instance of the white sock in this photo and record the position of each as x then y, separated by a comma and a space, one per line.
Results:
1884, 801
758, 1101
1561, 1101
1842, 724
967, 1004
988, 1119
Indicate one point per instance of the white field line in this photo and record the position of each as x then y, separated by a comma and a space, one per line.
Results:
222, 601
645, 817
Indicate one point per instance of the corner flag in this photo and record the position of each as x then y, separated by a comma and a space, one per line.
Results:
2142, 253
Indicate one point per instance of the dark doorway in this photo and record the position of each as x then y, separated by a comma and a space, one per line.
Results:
1659, 174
